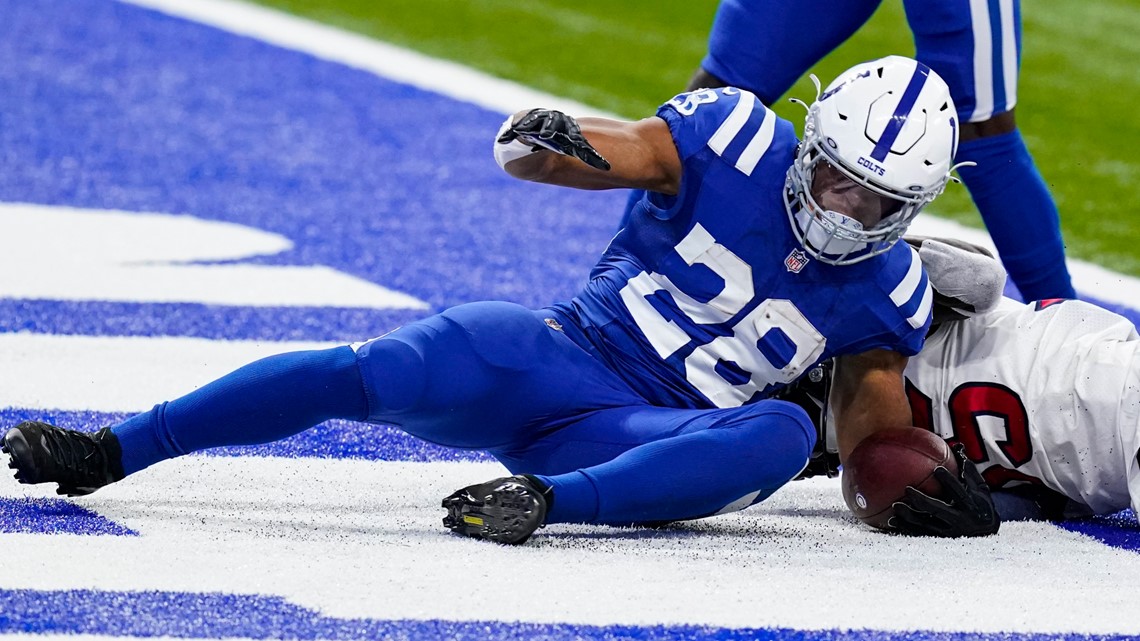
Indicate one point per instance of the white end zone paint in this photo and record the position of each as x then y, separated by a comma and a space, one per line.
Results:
118, 373
141, 257
373, 547
1090, 279
462, 83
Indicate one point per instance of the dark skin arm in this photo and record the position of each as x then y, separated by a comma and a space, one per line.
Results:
641, 155
867, 395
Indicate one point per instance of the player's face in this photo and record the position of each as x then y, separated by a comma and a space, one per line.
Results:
834, 191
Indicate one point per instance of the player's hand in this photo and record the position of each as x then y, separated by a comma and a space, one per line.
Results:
557, 132
969, 510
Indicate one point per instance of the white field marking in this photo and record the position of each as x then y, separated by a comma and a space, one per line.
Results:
115, 373
140, 257
1088, 278
462, 83
360, 52
353, 538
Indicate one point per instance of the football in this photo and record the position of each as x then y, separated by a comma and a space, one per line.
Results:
881, 467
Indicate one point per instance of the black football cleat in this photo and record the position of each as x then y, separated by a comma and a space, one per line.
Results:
504, 510
78, 461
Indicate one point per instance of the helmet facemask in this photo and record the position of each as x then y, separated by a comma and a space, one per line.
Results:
865, 169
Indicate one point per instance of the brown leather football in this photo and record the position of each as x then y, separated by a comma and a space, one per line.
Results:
881, 467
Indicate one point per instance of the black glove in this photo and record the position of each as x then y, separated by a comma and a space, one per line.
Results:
810, 392
969, 510
554, 130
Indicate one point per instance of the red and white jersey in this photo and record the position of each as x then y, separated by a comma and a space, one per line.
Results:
1047, 392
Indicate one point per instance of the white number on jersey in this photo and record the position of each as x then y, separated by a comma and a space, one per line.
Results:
742, 346
686, 104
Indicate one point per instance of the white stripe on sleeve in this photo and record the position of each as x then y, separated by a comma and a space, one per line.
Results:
905, 290
923, 311
733, 124
758, 145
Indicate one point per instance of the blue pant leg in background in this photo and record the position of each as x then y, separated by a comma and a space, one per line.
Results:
976, 48
765, 46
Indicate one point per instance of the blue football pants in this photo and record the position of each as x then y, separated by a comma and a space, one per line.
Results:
497, 377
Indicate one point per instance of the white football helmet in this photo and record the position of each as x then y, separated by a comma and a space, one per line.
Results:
890, 126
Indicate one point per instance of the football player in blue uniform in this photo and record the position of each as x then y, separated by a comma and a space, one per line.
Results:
752, 257
975, 45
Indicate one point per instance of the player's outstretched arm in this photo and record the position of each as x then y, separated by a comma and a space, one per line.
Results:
867, 395
547, 146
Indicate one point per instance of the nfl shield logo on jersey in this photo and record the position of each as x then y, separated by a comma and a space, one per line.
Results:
796, 260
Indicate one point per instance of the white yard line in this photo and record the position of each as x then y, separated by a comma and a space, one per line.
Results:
374, 548
360, 52
119, 373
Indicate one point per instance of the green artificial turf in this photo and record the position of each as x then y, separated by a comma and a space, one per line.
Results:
1078, 96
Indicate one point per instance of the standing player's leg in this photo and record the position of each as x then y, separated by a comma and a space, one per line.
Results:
975, 46
647, 464
764, 46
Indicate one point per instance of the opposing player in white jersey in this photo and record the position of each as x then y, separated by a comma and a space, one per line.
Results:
1040, 395
1043, 398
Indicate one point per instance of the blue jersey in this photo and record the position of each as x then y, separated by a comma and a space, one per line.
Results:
706, 299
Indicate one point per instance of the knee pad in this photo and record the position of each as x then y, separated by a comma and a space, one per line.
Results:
784, 428
394, 375
503, 335
794, 419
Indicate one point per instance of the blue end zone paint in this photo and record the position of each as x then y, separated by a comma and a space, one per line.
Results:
212, 616
332, 439
1119, 530
54, 516
114, 107
101, 318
